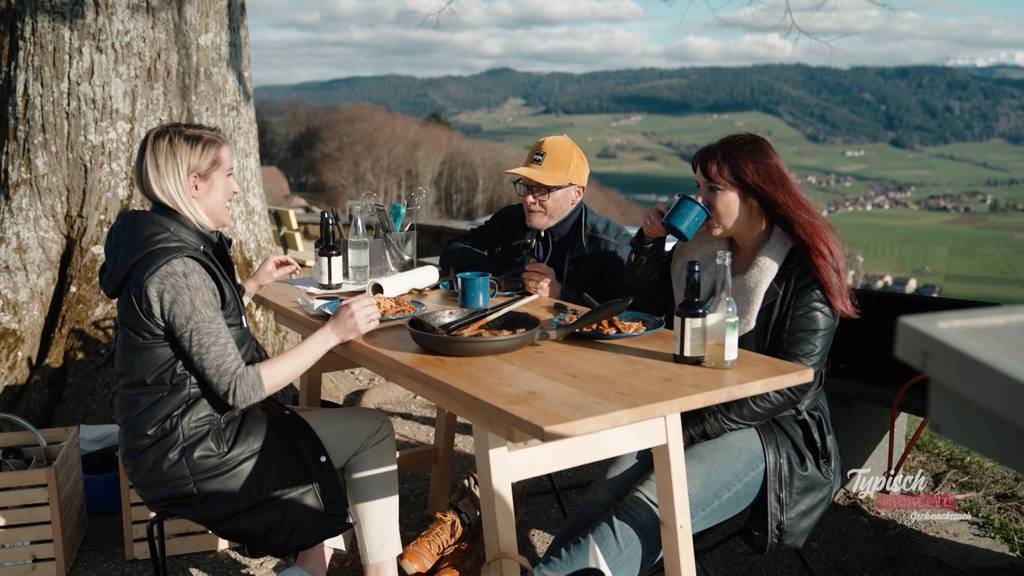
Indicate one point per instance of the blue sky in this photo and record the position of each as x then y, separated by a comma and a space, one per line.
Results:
295, 41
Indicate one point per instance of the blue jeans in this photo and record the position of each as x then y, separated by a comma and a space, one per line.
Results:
620, 514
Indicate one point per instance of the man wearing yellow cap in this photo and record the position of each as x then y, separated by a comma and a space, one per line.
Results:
551, 241
554, 245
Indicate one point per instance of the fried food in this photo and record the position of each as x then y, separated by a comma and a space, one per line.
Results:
398, 306
608, 326
491, 332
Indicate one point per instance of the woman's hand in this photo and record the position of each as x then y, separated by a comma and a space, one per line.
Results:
652, 222
355, 317
272, 268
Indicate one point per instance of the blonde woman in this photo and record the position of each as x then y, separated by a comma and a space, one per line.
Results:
199, 437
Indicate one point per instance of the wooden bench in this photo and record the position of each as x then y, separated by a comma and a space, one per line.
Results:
289, 235
182, 536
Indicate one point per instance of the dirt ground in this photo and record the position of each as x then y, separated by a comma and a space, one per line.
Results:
851, 539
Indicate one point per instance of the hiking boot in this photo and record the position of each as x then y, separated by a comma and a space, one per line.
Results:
460, 560
422, 553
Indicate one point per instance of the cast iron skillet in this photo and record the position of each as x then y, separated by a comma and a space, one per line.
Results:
421, 328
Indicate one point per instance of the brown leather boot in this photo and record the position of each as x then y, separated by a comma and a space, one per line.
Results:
422, 553
461, 560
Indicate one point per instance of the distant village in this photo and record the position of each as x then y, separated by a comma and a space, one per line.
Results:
882, 195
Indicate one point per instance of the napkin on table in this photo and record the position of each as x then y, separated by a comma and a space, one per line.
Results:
403, 282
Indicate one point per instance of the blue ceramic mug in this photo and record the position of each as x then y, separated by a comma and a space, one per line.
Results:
685, 217
476, 289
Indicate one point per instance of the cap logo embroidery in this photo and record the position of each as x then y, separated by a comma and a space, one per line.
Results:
538, 157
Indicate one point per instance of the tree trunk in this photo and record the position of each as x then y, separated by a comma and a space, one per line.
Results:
82, 82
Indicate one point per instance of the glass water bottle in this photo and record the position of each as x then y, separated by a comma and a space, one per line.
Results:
358, 248
722, 331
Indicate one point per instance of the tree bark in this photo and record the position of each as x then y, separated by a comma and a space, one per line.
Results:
82, 82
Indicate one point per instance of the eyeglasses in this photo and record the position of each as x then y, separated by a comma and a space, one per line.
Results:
539, 193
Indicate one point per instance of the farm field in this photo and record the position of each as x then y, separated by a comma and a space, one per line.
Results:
979, 256
976, 257
647, 168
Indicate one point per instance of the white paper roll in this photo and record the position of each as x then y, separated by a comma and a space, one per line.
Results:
400, 283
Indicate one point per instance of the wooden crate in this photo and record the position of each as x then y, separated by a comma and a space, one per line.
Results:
180, 536
42, 509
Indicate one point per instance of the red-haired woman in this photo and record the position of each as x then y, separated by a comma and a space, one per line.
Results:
775, 453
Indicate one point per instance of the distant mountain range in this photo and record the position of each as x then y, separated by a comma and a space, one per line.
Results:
906, 106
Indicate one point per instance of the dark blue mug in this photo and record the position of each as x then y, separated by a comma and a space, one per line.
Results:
476, 289
685, 217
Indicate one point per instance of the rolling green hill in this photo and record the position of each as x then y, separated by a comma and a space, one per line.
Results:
905, 106
936, 131
640, 153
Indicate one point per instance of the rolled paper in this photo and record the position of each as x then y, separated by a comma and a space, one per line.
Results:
403, 282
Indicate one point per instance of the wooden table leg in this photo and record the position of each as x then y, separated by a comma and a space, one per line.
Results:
310, 384
496, 508
674, 501
441, 472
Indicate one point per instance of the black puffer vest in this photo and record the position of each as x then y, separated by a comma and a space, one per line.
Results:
258, 476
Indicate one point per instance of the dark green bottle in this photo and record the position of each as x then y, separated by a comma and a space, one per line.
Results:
690, 318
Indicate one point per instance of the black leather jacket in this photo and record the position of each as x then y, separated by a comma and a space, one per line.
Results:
596, 262
795, 323
258, 476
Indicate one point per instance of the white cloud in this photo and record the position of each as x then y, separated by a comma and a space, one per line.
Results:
520, 14
322, 39
1014, 58
332, 15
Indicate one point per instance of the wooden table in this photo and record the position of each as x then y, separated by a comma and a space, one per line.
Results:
549, 407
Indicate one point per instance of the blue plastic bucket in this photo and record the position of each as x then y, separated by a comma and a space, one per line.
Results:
102, 481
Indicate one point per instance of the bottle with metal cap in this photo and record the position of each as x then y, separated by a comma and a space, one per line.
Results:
722, 331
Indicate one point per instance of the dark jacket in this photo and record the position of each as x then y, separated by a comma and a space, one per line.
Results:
258, 476
596, 262
795, 323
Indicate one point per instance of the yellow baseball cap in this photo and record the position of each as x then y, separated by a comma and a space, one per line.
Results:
555, 161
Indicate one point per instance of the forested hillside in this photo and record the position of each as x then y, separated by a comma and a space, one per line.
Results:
332, 154
904, 106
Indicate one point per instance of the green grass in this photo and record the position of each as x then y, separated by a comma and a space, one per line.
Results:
981, 259
658, 187
995, 494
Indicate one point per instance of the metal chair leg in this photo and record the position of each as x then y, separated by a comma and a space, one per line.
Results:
157, 545
558, 495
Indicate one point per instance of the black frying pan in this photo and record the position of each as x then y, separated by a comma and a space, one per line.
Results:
421, 328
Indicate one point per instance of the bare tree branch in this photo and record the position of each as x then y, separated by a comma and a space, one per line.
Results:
789, 23
439, 9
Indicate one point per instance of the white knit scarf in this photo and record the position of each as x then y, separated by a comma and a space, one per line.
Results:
748, 288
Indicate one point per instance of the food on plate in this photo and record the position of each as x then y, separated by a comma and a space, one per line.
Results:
613, 325
398, 306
